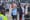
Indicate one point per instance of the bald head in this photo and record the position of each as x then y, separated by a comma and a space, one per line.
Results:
14, 5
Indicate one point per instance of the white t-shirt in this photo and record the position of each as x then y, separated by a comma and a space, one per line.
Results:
22, 9
26, 10
7, 6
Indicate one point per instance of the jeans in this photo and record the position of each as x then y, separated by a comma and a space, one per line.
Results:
14, 17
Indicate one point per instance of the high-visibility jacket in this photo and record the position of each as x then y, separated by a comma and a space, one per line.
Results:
2, 17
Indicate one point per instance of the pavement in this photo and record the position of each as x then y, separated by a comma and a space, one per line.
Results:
9, 17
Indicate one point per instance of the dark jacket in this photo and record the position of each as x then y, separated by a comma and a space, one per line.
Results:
1, 8
20, 10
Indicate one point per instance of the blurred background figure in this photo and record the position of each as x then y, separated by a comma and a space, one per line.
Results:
20, 11
23, 10
7, 7
1, 7
2, 12
26, 11
14, 11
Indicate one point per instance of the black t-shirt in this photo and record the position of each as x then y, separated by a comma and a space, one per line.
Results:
20, 10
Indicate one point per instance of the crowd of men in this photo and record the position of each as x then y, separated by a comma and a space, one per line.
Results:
17, 8
21, 9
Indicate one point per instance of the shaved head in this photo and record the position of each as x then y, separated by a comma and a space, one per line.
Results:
14, 5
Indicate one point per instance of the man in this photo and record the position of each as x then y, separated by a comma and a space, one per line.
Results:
23, 6
7, 7
2, 17
20, 12
2, 13
14, 11
2, 9
24, 10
